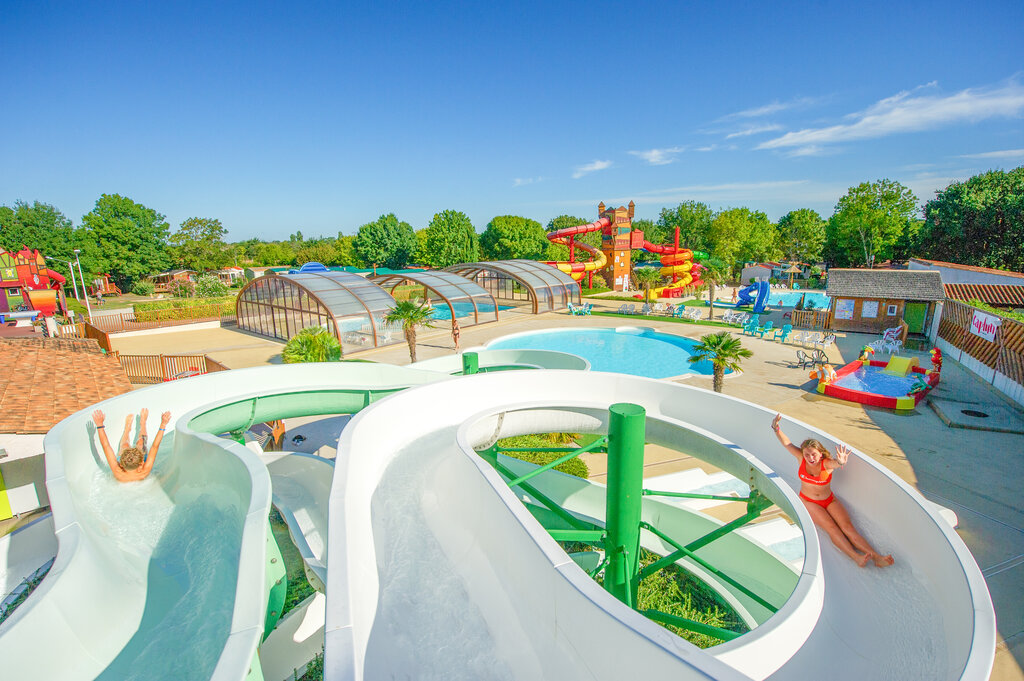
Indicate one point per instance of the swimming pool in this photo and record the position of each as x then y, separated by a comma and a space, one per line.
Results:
463, 309
625, 350
820, 300
871, 379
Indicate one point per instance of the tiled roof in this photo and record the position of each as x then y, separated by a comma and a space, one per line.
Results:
44, 380
969, 268
993, 294
894, 284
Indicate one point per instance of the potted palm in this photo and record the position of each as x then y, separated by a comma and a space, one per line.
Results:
724, 351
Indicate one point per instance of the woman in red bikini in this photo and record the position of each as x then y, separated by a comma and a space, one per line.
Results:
816, 468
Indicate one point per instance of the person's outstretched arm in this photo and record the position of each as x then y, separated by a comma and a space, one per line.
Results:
147, 465
842, 454
793, 449
98, 418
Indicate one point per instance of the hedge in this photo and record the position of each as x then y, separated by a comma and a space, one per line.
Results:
184, 308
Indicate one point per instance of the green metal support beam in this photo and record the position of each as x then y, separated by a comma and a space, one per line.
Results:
626, 436
585, 536
690, 495
690, 625
470, 363
560, 460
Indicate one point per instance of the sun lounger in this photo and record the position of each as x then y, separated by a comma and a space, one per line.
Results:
762, 330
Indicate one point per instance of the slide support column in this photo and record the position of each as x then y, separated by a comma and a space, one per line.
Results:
626, 430
470, 363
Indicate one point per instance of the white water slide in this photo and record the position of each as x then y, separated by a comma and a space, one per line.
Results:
436, 569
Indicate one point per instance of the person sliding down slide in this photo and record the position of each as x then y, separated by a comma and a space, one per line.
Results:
816, 468
134, 463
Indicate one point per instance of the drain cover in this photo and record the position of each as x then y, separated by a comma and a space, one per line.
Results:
974, 412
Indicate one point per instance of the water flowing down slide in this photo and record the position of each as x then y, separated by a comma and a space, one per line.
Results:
576, 270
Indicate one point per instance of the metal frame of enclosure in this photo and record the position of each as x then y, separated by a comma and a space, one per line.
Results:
521, 280
464, 298
352, 308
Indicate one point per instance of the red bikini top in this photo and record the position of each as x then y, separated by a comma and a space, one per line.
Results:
810, 479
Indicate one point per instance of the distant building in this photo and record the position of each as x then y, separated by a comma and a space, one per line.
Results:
756, 272
874, 300
162, 282
955, 273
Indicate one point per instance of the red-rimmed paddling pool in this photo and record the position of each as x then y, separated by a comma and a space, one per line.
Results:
869, 383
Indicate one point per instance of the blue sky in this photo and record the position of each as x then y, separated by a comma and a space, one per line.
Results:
322, 116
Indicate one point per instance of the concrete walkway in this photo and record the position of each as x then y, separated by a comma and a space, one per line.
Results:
976, 473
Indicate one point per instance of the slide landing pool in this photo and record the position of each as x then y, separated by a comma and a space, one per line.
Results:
435, 569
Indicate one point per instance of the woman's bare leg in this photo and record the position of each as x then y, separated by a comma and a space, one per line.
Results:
827, 523
141, 444
841, 517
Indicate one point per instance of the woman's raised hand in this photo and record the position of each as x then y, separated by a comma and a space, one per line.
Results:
775, 422
842, 454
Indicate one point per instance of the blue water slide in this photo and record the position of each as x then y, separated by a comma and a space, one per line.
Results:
756, 294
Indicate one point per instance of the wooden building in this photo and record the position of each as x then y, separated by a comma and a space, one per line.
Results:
872, 301
163, 281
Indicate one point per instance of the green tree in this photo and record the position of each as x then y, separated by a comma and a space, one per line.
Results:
802, 235
560, 253
124, 239
411, 315
654, 233
510, 237
450, 238
714, 271
977, 222
324, 252
199, 244
347, 256
38, 226
648, 278
740, 234
723, 351
386, 242
694, 221
869, 221
312, 344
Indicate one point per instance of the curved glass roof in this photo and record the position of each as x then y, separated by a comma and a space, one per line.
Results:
548, 287
464, 299
279, 305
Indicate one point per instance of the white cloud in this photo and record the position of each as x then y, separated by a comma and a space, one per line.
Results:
522, 181
659, 157
910, 112
1005, 153
710, 147
591, 167
754, 130
774, 107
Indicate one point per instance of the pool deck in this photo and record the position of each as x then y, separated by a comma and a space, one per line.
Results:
976, 473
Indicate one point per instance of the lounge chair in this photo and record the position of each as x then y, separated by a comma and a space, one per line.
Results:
694, 313
631, 309
645, 310
804, 359
573, 310
826, 342
811, 337
762, 330
658, 308
750, 326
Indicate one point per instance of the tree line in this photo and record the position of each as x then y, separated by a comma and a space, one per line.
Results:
978, 222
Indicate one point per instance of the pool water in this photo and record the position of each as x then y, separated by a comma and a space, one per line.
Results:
463, 309
872, 380
640, 352
820, 300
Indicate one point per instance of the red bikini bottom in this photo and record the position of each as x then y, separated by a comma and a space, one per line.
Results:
820, 502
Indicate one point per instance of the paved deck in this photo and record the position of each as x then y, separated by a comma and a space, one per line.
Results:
976, 473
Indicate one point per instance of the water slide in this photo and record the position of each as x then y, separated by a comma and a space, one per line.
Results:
755, 294
576, 270
436, 565
675, 262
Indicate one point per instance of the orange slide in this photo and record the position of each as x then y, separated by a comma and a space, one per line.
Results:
576, 270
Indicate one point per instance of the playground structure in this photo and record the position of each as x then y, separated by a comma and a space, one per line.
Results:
614, 260
437, 568
919, 381
755, 294
26, 282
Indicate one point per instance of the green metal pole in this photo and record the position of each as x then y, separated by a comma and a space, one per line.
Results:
623, 501
470, 363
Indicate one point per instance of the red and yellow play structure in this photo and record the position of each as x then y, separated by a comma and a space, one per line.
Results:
920, 380
614, 260
26, 281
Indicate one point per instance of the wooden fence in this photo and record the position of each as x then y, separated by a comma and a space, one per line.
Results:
1004, 355
812, 319
160, 368
119, 322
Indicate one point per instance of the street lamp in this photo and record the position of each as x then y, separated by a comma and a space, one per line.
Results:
85, 294
74, 282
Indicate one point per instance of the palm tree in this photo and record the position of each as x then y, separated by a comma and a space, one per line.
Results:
713, 272
647, 277
724, 351
312, 344
411, 314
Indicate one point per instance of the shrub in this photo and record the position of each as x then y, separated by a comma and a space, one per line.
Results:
184, 308
182, 289
599, 282
143, 288
210, 286
312, 344
575, 466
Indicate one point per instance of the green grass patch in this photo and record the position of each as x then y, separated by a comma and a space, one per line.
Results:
674, 320
575, 466
595, 290
299, 588
23, 596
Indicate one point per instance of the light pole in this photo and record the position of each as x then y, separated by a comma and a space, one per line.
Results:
71, 268
85, 294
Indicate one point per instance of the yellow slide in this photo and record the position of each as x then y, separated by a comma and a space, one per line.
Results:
900, 366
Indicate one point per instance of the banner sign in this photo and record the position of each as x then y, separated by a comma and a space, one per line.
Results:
985, 325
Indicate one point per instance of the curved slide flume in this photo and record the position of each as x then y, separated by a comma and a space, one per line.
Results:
576, 270
439, 549
678, 262
164, 579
